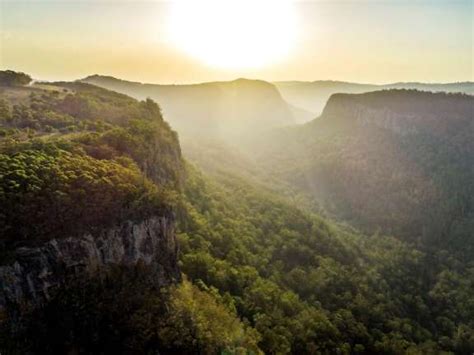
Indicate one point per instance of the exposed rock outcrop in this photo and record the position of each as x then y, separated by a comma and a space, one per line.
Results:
37, 272
402, 112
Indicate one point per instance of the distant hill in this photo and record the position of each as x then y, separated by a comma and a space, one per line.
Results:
213, 109
401, 161
312, 96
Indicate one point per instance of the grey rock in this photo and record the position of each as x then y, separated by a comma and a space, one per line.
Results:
38, 271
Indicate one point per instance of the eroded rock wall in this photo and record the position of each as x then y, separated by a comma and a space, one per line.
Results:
38, 271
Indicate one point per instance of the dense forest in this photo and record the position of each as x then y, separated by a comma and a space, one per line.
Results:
262, 272
76, 157
309, 286
398, 161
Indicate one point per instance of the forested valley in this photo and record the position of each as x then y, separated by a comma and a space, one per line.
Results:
346, 235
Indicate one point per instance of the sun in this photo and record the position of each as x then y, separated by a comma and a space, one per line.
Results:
232, 33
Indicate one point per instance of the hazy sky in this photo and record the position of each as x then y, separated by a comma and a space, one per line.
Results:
364, 41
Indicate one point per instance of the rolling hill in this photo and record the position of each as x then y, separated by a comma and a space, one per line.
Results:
312, 96
214, 109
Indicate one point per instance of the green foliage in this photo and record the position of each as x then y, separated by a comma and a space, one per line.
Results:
265, 275
199, 322
50, 192
123, 125
78, 161
122, 313
308, 286
87, 102
399, 161
5, 113
12, 78
154, 149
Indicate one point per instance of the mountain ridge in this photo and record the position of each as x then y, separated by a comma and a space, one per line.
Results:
329, 81
220, 108
313, 95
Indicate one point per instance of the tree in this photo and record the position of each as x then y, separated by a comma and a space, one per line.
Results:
12, 78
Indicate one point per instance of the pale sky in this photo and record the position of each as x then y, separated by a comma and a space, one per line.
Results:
362, 41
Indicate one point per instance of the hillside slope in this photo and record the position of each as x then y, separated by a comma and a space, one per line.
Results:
215, 109
309, 286
398, 160
87, 179
90, 181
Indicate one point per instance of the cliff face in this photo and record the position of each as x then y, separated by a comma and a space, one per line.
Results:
38, 271
385, 118
312, 96
117, 176
348, 110
403, 112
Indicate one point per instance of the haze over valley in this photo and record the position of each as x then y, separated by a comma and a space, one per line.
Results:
232, 184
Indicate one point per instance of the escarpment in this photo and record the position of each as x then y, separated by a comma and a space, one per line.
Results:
88, 181
38, 271
401, 111
399, 161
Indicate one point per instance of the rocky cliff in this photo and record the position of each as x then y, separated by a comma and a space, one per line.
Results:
402, 111
313, 96
37, 272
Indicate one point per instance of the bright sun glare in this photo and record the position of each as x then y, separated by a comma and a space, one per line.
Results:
232, 33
